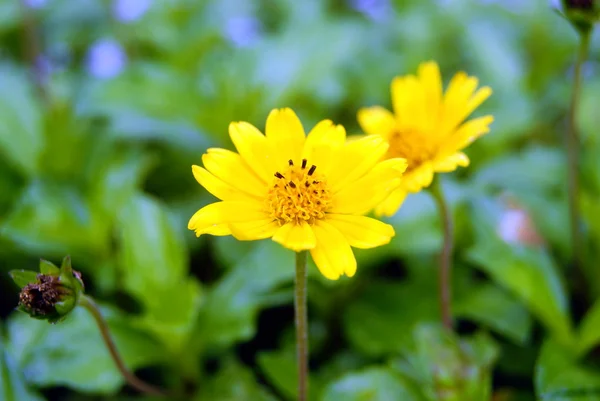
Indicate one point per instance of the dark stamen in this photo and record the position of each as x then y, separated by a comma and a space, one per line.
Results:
303, 163
312, 169
292, 184
307, 184
279, 175
290, 162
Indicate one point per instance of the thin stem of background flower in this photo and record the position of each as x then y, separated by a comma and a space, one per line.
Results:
143, 387
572, 139
32, 50
301, 325
445, 262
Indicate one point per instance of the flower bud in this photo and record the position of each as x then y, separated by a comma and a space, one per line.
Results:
583, 14
52, 293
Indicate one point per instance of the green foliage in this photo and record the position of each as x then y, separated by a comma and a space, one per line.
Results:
95, 157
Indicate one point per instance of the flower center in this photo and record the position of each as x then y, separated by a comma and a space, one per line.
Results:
298, 194
411, 146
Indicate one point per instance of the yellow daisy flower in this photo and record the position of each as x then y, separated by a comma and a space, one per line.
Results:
427, 128
304, 192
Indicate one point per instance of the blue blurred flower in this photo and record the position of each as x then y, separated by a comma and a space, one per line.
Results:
130, 10
243, 31
377, 10
106, 58
35, 3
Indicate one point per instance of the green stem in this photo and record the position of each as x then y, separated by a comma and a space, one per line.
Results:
445, 263
573, 152
143, 387
32, 50
301, 325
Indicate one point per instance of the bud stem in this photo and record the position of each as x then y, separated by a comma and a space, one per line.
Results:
301, 325
445, 267
572, 139
138, 384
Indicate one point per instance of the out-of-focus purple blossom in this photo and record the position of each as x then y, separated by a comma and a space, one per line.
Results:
35, 3
106, 58
243, 31
130, 10
377, 10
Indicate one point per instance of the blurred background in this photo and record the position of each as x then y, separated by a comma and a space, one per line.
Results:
104, 107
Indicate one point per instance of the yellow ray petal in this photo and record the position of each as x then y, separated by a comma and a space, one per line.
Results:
419, 178
466, 134
254, 230
219, 230
321, 145
230, 168
450, 163
286, 134
377, 121
332, 255
408, 98
361, 231
355, 159
225, 212
363, 195
392, 203
254, 148
296, 237
218, 187
431, 80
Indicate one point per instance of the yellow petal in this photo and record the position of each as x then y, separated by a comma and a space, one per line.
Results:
408, 98
466, 134
363, 195
230, 168
225, 212
450, 163
216, 186
284, 131
254, 148
321, 145
355, 159
332, 255
218, 230
254, 230
419, 178
376, 121
392, 203
431, 80
296, 237
361, 231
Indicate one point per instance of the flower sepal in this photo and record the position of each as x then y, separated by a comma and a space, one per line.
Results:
583, 14
50, 294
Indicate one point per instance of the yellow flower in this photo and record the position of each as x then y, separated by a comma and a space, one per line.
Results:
304, 192
427, 128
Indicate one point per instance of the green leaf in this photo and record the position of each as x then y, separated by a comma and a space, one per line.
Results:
12, 382
48, 268
527, 272
371, 384
280, 369
154, 262
233, 383
65, 222
23, 277
382, 319
558, 375
589, 330
21, 140
494, 308
230, 308
73, 354
449, 368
